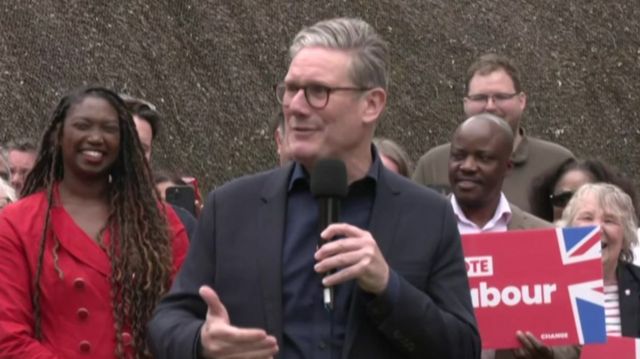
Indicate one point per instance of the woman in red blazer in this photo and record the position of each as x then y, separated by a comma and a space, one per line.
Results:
89, 250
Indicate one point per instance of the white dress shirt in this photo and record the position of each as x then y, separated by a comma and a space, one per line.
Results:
497, 223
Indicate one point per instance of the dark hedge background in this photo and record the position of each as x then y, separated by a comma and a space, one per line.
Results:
209, 67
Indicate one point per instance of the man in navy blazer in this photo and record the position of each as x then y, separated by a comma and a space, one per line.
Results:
252, 283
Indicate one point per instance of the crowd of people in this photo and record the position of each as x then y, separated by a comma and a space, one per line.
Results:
96, 261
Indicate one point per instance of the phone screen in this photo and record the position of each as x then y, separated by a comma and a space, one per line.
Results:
182, 196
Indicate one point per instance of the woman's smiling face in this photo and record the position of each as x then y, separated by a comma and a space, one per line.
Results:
591, 212
90, 138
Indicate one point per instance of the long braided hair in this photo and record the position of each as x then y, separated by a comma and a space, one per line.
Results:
140, 249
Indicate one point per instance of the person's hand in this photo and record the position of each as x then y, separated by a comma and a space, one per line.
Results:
356, 256
198, 206
219, 339
531, 347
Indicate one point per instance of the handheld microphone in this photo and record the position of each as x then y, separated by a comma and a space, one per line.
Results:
329, 186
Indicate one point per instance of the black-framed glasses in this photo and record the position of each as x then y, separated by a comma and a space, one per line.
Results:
561, 199
317, 96
496, 97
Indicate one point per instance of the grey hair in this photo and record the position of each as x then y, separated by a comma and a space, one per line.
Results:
370, 60
8, 190
396, 153
613, 199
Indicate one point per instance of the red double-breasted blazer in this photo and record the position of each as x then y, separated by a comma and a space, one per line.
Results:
76, 314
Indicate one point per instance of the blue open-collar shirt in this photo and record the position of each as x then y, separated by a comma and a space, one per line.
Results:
310, 330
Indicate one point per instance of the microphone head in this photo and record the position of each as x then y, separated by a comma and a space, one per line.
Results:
329, 178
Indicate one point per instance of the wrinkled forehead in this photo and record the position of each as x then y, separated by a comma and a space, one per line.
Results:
19, 157
321, 64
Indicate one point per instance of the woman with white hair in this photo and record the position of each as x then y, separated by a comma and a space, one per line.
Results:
610, 208
7, 193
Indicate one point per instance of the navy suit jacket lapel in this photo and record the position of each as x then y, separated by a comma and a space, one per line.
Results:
382, 225
270, 235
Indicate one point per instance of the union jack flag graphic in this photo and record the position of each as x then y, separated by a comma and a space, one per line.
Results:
577, 245
546, 281
587, 303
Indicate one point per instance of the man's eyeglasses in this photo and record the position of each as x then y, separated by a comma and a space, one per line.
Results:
561, 199
317, 95
496, 97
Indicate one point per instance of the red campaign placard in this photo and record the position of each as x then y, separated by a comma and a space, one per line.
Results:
615, 348
546, 281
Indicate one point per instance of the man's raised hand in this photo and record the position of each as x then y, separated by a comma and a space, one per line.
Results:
221, 340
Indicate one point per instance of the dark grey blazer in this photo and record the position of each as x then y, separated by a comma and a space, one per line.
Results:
237, 250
